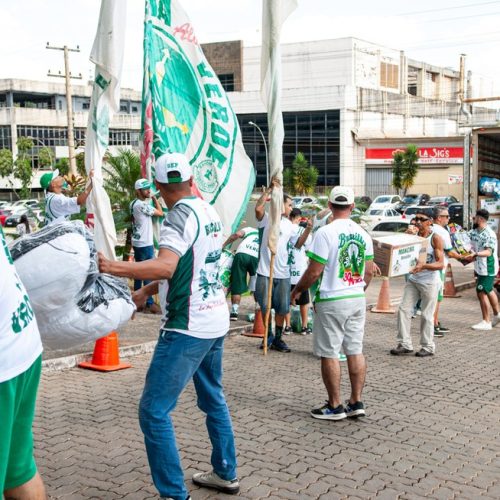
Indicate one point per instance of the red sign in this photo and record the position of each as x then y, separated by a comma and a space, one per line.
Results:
433, 155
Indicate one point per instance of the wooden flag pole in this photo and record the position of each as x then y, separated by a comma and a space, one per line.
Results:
269, 300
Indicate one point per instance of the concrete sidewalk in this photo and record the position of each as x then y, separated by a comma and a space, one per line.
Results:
432, 428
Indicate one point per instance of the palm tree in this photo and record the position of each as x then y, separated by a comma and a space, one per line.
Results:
397, 170
411, 167
300, 178
122, 171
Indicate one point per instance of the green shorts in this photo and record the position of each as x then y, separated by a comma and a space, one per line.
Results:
17, 410
485, 283
243, 265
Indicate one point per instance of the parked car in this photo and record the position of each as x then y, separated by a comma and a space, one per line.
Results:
15, 217
410, 212
442, 200
384, 201
386, 228
412, 199
373, 216
32, 203
362, 202
456, 211
3, 215
300, 201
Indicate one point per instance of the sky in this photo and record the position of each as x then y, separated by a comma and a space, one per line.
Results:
430, 31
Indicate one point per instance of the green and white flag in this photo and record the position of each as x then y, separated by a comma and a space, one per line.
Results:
186, 110
107, 54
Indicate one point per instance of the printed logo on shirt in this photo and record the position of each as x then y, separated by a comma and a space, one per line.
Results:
352, 249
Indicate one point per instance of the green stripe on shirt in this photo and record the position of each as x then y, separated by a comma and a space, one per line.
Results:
315, 257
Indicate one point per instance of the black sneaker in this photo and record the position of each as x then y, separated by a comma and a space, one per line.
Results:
423, 353
400, 350
270, 340
355, 410
438, 332
443, 328
326, 412
280, 346
287, 330
212, 480
233, 316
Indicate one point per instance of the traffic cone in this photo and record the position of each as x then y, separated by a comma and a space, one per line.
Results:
258, 326
384, 299
449, 285
106, 357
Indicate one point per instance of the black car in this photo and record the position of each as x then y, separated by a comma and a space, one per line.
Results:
443, 201
15, 218
412, 199
456, 211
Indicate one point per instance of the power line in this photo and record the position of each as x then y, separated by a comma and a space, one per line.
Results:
445, 8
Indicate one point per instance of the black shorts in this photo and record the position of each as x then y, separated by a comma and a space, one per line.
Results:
304, 298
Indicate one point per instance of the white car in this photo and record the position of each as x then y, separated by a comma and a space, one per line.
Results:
375, 215
300, 201
388, 227
385, 201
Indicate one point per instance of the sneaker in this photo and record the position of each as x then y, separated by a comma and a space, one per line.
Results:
287, 330
270, 339
280, 346
303, 331
233, 316
483, 325
418, 312
495, 320
212, 480
355, 410
447, 330
423, 353
326, 412
400, 350
438, 332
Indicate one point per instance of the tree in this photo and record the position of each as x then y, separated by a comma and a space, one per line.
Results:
22, 166
405, 168
63, 166
46, 157
122, 171
80, 164
300, 178
6, 163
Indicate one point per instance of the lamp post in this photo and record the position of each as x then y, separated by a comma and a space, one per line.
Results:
265, 148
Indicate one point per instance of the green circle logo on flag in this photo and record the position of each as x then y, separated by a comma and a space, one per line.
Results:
205, 176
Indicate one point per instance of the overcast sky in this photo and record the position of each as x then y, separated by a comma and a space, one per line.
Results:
430, 31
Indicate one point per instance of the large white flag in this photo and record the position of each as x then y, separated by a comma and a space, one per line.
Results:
107, 54
186, 110
274, 14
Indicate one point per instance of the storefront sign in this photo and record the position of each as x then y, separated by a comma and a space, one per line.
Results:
426, 156
455, 179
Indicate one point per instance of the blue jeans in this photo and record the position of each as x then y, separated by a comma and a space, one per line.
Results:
280, 296
177, 359
140, 254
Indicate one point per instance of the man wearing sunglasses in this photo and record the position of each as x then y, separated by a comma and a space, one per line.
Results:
423, 283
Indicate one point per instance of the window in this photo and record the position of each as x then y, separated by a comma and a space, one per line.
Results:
123, 108
227, 81
389, 75
135, 109
86, 105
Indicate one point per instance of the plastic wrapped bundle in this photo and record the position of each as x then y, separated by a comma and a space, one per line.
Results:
73, 303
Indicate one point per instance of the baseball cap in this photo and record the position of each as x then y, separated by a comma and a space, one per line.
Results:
142, 184
341, 195
47, 178
170, 163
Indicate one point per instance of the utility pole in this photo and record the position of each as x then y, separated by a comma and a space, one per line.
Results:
69, 104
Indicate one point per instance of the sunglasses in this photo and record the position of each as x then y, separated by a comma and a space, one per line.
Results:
446, 216
421, 219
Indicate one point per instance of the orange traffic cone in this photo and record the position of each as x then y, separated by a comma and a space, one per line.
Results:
449, 285
106, 357
258, 326
384, 299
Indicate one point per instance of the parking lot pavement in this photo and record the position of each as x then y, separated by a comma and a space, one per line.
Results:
432, 426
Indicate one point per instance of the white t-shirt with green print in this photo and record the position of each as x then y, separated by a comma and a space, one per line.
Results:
193, 300
20, 343
343, 247
482, 239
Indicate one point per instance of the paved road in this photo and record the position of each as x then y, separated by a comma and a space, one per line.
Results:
432, 428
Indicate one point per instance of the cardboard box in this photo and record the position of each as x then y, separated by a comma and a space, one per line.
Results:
490, 204
398, 254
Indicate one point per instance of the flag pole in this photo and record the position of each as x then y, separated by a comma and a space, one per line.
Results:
269, 300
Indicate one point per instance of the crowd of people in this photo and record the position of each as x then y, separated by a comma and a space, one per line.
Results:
329, 263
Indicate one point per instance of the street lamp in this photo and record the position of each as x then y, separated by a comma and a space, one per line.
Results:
265, 148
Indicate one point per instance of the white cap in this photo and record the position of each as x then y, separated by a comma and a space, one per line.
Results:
169, 163
142, 184
341, 195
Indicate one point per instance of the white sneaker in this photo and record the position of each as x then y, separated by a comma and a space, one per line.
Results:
495, 320
483, 325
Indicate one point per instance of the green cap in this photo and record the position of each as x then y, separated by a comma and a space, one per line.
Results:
47, 178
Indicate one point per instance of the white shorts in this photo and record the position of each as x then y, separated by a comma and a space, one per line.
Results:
339, 323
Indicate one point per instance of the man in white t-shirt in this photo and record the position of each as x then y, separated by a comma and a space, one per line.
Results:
142, 212
280, 298
341, 255
59, 207
195, 321
20, 368
244, 265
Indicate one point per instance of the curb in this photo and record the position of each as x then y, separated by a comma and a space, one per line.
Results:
68, 362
